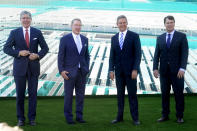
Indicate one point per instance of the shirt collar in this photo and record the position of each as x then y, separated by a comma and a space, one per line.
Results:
24, 29
74, 35
171, 33
124, 32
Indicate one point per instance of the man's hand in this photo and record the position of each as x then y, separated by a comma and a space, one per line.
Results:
64, 75
180, 74
24, 53
156, 73
33, 56
111, 75
134, 74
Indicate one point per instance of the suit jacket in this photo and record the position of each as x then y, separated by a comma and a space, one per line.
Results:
69, 57
129, 57
176, 56
16, 42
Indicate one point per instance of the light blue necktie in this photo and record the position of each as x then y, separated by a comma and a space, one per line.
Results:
79, 46
121, 40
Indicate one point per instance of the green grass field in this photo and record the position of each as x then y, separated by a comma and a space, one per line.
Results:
99, 111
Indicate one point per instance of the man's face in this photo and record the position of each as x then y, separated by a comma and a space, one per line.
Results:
76, 27
169, 24
26, 20
122, 24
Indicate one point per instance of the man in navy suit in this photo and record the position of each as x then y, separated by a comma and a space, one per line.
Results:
171, 53
73, 64
22, 44
125, 57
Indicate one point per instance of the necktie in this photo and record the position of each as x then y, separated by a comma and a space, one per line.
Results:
79, 46
27, 37
121, 40
168, 40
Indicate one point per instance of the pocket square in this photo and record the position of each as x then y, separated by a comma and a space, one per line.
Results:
34, 38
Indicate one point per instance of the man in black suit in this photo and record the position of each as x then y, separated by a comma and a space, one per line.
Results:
125, 57
171, 53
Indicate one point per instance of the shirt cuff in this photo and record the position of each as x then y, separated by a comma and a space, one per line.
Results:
18, 54
181, 69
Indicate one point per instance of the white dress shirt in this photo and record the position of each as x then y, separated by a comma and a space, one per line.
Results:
171, 35
124, 34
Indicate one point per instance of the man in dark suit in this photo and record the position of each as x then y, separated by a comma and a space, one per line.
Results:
73, 64
125, 57
171, 53
23, 44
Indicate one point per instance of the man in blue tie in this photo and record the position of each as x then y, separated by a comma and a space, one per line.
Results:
125, 57
73, 64
23, 44
171, 53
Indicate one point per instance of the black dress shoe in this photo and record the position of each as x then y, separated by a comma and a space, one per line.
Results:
180, 120
20, 123
80, 121
71, 122
137, 122
162, 119
116, 121
32, 123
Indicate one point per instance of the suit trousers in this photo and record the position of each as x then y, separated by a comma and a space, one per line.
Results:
20, 82
78, 82
166, 81
122, 81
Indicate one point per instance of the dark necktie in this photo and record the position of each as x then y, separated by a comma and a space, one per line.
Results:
168, 40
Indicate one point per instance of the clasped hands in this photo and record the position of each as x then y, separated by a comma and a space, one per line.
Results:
32, 56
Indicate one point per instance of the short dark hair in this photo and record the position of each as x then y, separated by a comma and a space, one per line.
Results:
121, 17
169, 17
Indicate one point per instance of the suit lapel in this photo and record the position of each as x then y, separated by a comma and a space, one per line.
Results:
173, 39
74, 44
163, 41
125, 39
31, 36
22, 37
117, 41
83, 44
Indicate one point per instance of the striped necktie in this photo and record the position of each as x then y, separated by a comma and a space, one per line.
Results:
121, 40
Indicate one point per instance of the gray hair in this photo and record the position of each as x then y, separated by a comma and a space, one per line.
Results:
121, 17
25, 13
75, 19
